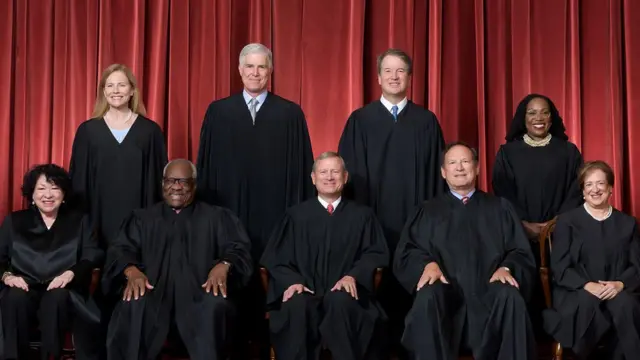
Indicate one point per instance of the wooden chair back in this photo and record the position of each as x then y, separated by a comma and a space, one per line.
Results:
545, 239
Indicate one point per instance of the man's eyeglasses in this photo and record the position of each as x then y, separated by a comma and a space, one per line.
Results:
173, 181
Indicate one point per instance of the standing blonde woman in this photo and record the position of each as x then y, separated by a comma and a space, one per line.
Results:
118, 155
116, 164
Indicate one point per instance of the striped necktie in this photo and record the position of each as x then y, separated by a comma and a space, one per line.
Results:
465, 200
394, 112
330, 209
253, 108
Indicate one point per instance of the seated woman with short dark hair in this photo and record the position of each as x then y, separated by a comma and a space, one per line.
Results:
595, 261
47, 255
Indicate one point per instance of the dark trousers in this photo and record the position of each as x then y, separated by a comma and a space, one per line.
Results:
51, 310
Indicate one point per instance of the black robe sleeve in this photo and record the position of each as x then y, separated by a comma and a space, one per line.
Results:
562, 261
280, 260
439, 182
374, 254
504, 182
354, 152
5, 249
80, 170
518, 256
631, 276
91, 255
302, 156
236, 249
573, 194
206, 184
157, 159
124, 251
411, 257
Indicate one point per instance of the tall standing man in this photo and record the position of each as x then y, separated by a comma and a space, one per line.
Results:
392, 148
255, 158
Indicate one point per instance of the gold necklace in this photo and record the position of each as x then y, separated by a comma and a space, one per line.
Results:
536, 143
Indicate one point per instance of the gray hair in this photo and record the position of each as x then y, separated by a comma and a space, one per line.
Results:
451, 145
194, 172
256, 48
329, 155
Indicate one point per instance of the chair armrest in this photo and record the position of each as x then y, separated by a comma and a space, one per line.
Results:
95, 280
377, 277
264, 277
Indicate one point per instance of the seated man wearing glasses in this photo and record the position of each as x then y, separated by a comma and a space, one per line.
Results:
176, 263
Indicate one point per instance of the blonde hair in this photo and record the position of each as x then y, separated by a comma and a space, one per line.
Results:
135, 103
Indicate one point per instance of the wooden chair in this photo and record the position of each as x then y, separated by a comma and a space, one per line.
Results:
544, 239
264, 276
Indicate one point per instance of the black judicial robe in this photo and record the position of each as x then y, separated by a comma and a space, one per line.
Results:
540, 182
587, 250
469, 243
393, 166
115, 178
313, 248
37, 254
175, 251
257, 171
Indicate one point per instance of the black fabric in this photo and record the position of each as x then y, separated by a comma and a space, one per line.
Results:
469, 243
176, 251
316, 249
587, 250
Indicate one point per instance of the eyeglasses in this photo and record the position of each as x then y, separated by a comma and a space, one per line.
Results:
167, 182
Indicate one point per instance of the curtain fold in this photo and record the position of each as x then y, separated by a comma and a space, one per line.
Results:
473, 62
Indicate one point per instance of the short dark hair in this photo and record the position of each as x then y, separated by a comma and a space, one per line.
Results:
591, 166
53, 173
451, 145
518, 126
398, 53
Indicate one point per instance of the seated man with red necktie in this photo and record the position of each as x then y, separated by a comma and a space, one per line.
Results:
466, 258
321, 260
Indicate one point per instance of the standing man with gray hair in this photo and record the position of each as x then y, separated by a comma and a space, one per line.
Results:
254, 158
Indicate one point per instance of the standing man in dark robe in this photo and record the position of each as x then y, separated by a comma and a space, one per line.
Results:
178, 263
255, 152
322, 260
466, 258
254, 158
392, 149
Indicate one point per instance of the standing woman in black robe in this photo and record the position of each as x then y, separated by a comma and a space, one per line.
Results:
116, 162
47, 254
537, 168
537, 171
118, 155
595, 264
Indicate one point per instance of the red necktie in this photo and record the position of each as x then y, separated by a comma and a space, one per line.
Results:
465, 200
330, 209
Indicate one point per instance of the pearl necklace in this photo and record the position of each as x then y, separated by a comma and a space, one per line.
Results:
536, 143
606, 216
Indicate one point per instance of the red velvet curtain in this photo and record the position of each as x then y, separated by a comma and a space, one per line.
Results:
474, 60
